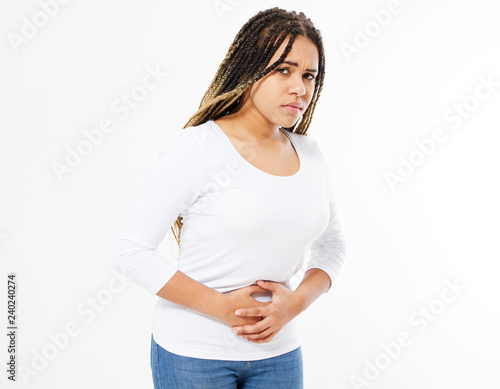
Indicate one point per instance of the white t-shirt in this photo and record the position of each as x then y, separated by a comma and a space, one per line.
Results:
240, 224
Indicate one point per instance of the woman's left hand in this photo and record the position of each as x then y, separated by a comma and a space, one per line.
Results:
284, 307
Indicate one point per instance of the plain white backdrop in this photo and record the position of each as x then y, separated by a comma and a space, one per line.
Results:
408, 118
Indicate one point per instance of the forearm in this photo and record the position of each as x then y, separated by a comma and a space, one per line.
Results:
313, 285
182, 289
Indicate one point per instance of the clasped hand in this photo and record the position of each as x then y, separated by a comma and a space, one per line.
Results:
261, 321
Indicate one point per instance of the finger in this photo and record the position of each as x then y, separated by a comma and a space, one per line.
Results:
259, 335
251, 319
265, 339
269, 285
256, 311
255, 289
252, 328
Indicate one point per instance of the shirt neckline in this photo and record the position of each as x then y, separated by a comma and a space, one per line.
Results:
256, 168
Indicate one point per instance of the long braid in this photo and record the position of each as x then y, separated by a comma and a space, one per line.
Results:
245, 63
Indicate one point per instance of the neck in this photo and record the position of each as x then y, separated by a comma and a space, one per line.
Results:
249, 123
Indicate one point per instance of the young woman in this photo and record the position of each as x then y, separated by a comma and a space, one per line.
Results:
251, 193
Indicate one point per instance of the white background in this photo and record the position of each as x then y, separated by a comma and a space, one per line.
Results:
438, 225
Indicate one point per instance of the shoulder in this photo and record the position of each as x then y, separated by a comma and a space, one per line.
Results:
189, 139
201, 133
306, 143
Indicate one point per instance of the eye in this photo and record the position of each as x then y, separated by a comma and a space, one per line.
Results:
310, 76
282, 70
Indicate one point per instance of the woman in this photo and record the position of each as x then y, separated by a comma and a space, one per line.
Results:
253, 193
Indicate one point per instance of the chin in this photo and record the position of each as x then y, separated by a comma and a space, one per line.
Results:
290, 122
285, 121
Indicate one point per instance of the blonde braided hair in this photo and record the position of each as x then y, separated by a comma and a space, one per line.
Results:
245, 63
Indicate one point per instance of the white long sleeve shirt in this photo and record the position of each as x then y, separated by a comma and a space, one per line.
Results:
240, 225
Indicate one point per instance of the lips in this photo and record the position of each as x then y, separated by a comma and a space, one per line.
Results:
294, 105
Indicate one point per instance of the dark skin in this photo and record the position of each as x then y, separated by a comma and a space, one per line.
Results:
255, 126
259, 322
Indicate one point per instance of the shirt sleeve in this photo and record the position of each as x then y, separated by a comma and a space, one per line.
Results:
171, 187
328, 251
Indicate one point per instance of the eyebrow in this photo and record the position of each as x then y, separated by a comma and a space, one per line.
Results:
296, 64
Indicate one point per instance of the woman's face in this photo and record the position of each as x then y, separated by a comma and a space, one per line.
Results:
292, 82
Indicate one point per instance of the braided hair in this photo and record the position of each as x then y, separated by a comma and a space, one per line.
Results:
245, 63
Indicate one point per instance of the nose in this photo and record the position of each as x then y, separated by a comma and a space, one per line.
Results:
297, 85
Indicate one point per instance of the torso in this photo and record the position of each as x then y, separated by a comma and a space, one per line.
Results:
278, 157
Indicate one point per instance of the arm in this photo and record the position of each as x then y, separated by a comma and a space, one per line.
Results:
328, 252
314, 284
182, 289
172, 186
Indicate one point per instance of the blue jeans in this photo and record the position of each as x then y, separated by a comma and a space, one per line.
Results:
179, 372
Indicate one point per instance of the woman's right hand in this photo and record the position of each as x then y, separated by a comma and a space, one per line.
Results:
240, 298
